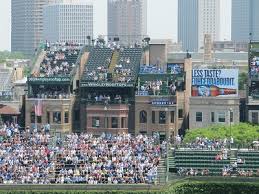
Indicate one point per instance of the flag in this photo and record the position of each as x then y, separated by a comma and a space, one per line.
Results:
38, 108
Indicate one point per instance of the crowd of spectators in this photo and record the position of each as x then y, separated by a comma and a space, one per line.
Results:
98, 74
254, 66
156, 88
51, 94
193, 172
207, 144
106, 98
35, 157
60, 58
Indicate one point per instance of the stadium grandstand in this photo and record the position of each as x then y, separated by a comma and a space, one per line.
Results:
31, 157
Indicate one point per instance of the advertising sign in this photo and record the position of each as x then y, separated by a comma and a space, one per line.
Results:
214, 82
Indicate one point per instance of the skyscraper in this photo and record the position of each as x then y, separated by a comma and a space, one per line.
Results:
245, 20
127, 19
188, 24
27, 25
195, 19
68, 20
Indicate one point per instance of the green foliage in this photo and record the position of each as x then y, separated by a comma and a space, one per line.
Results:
242, 79
244, 134
193, 187
217, 188
11, 55
82, 192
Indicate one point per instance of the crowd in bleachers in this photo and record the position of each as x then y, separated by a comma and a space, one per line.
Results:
60, 59
208, 144
193, 172
254, 65
124, 68
34, 157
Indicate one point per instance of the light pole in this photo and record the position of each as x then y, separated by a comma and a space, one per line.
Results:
230, 121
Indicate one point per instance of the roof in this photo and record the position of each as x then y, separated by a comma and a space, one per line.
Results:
8, 110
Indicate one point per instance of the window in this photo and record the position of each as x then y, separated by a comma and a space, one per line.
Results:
114, 122
180, 113
212, 117
221, 117
172, 116
143, 116
48, 117
153, 117
255, 117
96, 122
162, 117
38, 119
66, 117
57, 117
123, 122
198, 116
32, 117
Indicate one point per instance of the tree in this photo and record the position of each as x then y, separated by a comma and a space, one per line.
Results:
243, 133
242, 80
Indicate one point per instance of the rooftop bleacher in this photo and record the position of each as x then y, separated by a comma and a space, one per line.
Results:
98, 63
60, 59
112, 65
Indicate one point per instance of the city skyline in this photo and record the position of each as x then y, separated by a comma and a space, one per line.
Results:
157, 24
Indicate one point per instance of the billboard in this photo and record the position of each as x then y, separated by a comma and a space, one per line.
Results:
214, 82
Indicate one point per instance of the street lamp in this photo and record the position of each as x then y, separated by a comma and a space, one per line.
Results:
230, 121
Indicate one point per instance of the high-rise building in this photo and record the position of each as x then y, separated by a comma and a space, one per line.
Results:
195, 19
27, 25
188, 24
68, 20
209, 20
244, 20
127, 19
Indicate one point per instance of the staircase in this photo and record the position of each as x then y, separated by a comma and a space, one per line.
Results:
233, 156
114, 60
171, 162
161, 172
36, 65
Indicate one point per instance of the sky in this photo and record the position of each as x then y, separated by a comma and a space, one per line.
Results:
162, 20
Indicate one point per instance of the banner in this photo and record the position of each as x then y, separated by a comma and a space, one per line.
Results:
215, 82
163, 101
106, 84
47, 80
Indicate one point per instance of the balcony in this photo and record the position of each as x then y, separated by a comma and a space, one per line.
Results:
106, 102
